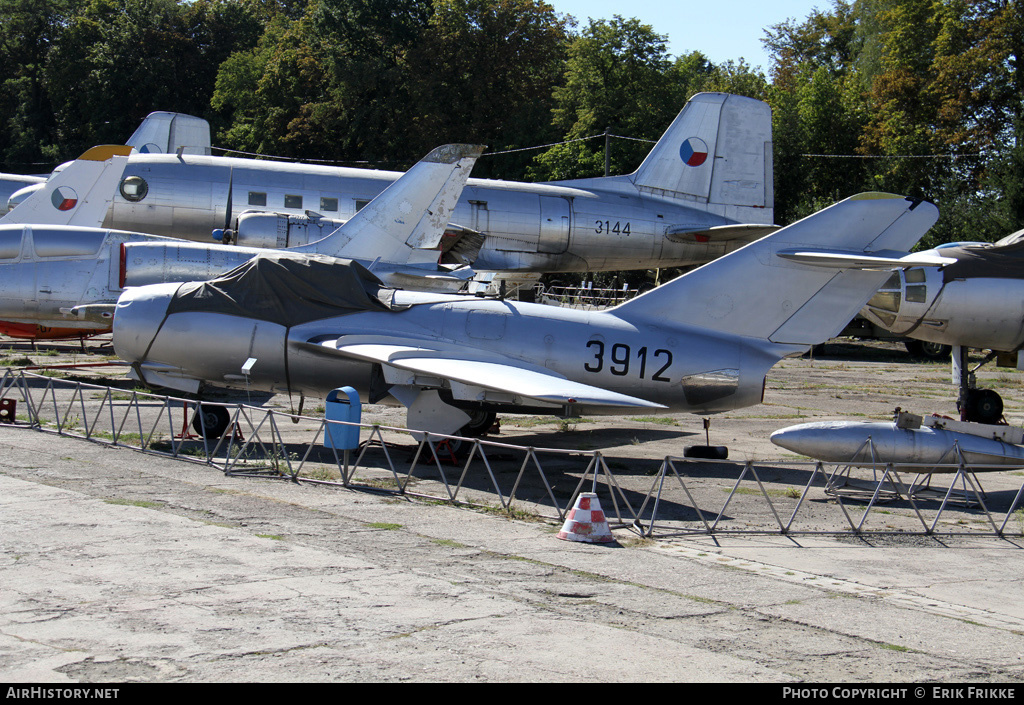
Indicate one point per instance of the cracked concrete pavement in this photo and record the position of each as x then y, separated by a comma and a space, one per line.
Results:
123, 567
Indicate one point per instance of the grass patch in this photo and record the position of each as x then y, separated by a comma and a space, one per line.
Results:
659, 420
531, 421
15, 361
384, 525
791, 492
510, 513
134, 503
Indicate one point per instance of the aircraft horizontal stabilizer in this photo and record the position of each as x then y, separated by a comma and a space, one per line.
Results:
743, 231
488, 372
843, 259
440, 281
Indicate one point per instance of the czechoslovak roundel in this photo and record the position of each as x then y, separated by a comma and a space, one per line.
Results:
693, 151
64, 198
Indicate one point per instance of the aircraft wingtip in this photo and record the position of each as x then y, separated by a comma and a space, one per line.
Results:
451, 153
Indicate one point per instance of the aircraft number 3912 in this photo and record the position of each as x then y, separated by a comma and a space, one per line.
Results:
620, 356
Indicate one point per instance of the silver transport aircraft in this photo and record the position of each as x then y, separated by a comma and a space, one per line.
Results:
975, 299
702, 343
60, 278
705, 189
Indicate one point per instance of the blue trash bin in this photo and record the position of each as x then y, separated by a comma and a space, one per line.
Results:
342, 405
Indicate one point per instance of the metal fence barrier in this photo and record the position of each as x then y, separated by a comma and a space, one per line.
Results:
654, 498
584, 297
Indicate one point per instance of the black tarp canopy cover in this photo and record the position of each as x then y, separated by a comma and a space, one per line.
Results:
287, 289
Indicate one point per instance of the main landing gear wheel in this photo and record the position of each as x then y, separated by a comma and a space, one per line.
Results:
479, 424
983, 406
927, 350
211, 421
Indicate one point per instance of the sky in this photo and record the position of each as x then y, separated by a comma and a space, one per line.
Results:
721, 30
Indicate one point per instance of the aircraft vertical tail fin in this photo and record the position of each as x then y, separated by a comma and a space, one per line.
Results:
78, 194
800, 285
717, 153
165, 133
405, 222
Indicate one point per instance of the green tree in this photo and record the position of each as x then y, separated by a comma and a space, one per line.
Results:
485, 71
903, 101
28, 30
272, 98
824, 39
364, 46
118, 60
618, 77
980, 83
817, 110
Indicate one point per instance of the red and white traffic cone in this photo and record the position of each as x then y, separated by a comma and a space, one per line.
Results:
586, 522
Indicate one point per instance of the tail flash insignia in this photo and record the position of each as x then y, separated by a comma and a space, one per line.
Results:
693, 151
64, 198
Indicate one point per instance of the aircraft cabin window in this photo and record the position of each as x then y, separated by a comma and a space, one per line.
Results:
359, 204
886, 301
292, 201
134, 188
917, 294
10, 244
257, 199
915, 276
328, 204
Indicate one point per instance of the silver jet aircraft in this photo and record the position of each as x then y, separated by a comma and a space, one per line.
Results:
705, 189
701, 343
58, 281
974, 300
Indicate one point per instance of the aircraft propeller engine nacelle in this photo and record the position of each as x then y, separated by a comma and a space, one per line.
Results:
278, 230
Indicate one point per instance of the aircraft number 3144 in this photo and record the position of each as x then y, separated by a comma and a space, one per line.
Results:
605, 226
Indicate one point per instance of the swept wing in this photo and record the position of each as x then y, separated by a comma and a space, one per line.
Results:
486, 371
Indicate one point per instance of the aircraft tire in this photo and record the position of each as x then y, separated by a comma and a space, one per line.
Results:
927, 350
984, 406
454, 449
211, 421
706, 452
479, 424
